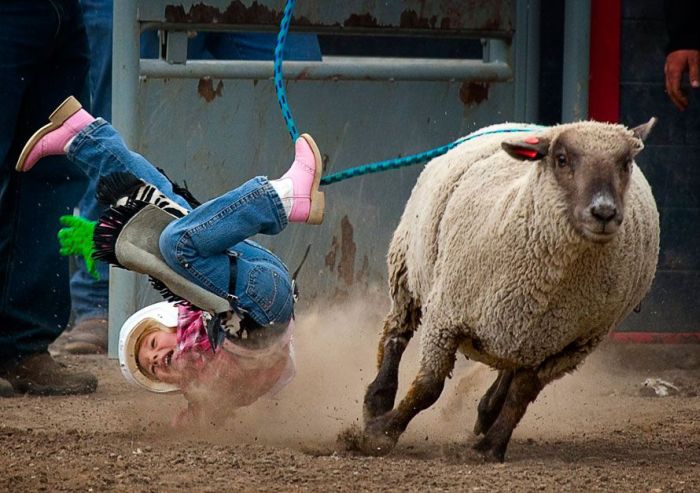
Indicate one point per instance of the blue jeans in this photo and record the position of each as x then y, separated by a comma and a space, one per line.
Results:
43, 59
200, 245
239, 46
89, 297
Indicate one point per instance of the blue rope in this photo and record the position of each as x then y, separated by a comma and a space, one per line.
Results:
375, 167
422, 157
279, 79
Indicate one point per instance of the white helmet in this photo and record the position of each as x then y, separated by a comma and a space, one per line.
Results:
166, 314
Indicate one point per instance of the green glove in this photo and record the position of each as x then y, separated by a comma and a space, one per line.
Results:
76, 239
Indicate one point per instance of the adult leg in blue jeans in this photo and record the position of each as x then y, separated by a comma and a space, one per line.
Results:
43, 58
89, 296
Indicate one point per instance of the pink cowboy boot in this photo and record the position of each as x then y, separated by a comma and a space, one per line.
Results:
300, 184
51, 139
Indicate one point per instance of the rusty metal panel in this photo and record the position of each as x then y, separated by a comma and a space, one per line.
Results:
475, 17
229, 131
214, 134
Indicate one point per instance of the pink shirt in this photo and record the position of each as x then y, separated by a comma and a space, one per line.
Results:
230, 377
191, 332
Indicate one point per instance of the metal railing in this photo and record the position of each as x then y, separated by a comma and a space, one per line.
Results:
496, 25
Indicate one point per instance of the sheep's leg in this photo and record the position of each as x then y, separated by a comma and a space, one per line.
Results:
381, 393
399, 327
437, 361
491, 403
523, 389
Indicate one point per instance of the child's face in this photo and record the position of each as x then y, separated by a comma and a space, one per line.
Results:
155, 356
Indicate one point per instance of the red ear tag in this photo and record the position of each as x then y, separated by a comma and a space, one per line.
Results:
532, 140
528, 153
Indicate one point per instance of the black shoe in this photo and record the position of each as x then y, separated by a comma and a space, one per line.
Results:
40, 374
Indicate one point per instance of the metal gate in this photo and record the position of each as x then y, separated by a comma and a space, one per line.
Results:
214, 124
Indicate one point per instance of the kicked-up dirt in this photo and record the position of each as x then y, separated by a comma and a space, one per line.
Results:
599, 429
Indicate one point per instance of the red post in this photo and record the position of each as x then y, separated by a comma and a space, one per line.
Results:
604, 84
656, 337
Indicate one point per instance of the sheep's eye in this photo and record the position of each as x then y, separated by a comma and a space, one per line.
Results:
561, 160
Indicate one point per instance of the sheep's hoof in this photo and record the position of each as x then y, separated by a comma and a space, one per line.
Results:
378, 443
377, 438
490, 452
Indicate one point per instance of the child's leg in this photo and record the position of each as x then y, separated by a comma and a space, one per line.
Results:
99, 150
92, 144
196, 245
263, 285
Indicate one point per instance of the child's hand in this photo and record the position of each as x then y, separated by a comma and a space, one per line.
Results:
183, 419
76, 239
204, 410
192, 417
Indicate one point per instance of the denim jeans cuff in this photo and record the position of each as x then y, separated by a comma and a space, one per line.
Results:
281, 214
84, 135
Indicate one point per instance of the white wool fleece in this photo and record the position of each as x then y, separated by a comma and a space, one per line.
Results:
493, 262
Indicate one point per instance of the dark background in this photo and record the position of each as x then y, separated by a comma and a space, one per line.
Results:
670, 161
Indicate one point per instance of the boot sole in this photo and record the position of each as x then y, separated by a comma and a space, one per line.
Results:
65, 110
318, 199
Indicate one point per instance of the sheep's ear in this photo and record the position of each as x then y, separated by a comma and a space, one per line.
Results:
643, 131
528, 149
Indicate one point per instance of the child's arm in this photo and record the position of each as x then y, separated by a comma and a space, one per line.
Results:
228, 381
211, 410
187, 417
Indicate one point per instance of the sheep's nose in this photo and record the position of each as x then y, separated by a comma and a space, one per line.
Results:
604, 211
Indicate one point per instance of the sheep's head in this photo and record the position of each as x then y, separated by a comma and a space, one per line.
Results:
591, 162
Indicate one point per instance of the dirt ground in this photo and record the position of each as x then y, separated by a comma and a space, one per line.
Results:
599, 429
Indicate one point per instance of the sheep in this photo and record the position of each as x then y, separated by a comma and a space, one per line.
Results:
512, 249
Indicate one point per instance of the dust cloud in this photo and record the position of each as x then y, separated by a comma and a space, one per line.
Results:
335, 350
336, 360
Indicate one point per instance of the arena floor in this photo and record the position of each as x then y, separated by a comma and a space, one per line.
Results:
596, 430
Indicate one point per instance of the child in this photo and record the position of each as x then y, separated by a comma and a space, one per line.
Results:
165, 348
162, 350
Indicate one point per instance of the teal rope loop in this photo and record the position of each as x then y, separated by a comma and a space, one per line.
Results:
389, 164
279, 79
375, 167
420, 158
